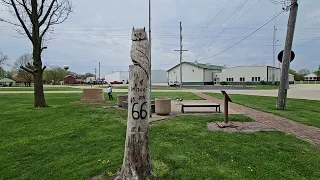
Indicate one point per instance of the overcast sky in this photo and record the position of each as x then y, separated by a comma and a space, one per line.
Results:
100, 30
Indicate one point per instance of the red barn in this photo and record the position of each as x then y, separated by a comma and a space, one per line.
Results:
70, 80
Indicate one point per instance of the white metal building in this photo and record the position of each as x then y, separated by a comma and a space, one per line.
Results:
250, 75
194, 73
120, 76
157, 76
206, 74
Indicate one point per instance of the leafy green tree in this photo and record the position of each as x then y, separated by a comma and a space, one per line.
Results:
54, 75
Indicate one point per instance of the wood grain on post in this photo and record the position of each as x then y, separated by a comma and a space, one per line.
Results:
136, 162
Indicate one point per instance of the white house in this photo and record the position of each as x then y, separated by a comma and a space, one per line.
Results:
250, 74
90, 79
194, 73
311, 77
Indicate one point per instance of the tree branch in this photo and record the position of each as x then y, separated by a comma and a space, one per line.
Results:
6, 21
47, 13
41, 8
27, 70
24, 5
20, 20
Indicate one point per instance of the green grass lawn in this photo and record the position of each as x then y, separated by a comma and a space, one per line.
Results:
45, 89
77, 141
304, 111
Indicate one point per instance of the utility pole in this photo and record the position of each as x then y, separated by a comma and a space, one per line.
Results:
274, 54
95, 74
150, 79
284, 82
181, 51
99, 71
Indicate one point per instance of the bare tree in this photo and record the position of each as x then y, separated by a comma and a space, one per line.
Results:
304, 72
3, 58
34, 19
21, 75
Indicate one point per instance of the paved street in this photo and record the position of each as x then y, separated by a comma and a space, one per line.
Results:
300, 91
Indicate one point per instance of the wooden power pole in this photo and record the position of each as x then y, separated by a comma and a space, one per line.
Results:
284, 82
181, 51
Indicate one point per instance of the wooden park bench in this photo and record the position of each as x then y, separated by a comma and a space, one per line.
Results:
217, 106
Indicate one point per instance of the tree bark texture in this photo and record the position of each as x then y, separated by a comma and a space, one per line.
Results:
136, 162
39, 99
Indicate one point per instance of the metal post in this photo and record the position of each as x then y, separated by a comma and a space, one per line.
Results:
287, 56
150, 81
180, 55
181, 51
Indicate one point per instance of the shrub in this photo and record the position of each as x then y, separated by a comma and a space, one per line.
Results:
223, 83
263, 82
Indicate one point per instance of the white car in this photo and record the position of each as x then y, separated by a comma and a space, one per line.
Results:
174, 83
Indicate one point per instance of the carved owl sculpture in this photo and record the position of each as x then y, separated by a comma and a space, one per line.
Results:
140, 49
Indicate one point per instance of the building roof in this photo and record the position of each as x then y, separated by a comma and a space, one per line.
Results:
311, 75
6, 80
200, 65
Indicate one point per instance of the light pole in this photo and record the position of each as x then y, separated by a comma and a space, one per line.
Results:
150, 82
99, 71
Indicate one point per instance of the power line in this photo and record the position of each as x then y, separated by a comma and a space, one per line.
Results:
243, 38
214, 18
236, 13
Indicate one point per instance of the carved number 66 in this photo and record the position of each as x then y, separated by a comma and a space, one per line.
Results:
142, 114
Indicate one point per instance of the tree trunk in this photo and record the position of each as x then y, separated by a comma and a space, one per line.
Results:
136, 162
39, 99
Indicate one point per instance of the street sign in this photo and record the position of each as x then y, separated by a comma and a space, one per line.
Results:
280, 55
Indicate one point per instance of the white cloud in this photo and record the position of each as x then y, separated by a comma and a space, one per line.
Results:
100, 31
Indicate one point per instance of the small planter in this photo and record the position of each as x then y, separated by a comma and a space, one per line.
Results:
163, 106
120, 98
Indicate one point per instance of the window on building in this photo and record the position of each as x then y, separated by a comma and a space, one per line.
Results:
227, 79
258, 78
231, 79
242, 79
315, 78
252, 78
255, 79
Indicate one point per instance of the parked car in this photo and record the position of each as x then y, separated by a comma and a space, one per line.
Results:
174, 83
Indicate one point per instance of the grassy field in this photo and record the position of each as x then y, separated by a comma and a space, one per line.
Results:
304, 111
77, 141
45, 89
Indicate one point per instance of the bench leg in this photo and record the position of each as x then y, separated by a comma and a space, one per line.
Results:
216, 109
182, 110
219, 110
